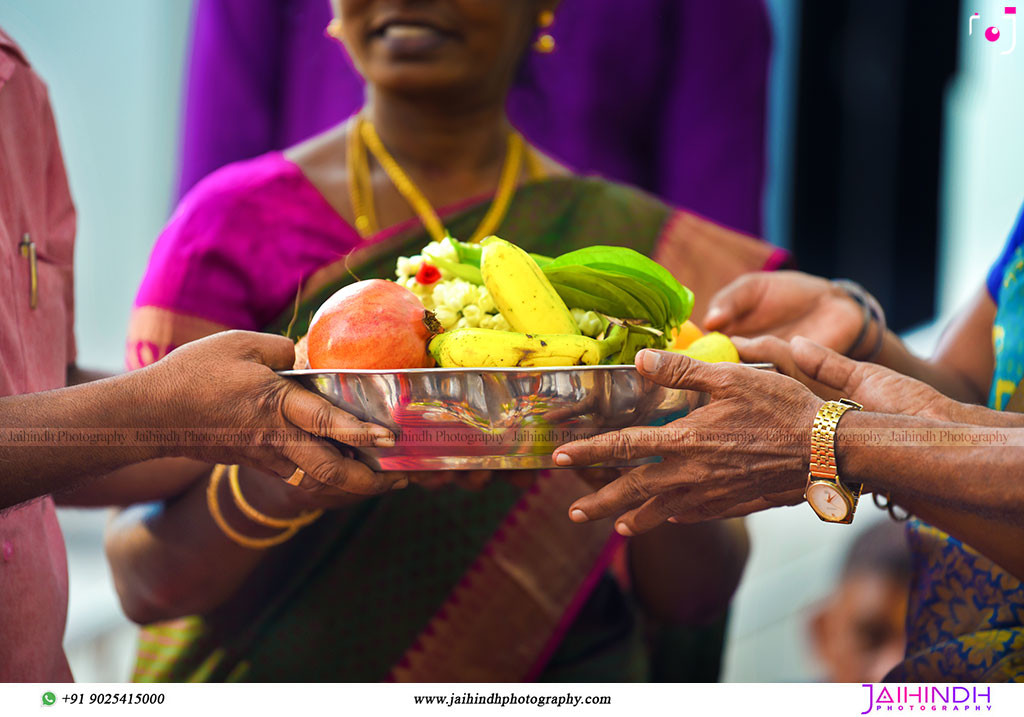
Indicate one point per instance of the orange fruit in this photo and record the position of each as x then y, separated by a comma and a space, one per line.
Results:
684, 335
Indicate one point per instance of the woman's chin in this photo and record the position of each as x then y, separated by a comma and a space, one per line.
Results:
438, 79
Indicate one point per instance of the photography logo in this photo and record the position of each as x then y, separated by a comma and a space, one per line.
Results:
993, 33
928, 698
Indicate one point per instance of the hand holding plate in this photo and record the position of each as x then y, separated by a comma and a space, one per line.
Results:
746, 450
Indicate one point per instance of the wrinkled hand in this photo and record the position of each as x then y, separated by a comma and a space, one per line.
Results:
786, 304
226, 383
833, 376
746, 450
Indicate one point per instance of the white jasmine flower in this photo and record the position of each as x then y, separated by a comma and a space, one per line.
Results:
500, 323
485, 301
446, 317
442, 249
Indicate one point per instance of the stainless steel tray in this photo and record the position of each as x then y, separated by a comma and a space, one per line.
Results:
495, 418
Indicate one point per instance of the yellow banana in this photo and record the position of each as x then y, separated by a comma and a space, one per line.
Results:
522, 293
490, 348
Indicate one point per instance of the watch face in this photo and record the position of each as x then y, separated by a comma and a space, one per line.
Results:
827, 501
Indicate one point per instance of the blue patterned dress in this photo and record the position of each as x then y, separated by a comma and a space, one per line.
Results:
966, 616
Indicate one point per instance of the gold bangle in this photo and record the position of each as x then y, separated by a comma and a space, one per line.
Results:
245, 541
300, 521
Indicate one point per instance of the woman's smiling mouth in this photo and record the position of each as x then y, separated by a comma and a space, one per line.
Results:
403, 38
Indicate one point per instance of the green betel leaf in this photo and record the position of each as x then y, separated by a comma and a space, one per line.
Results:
579, 299
622, 260
658, 306
596, 282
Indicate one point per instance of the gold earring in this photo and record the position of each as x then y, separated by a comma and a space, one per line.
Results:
545, 44
334, 28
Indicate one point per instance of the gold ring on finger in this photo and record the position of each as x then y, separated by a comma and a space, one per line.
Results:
296, 477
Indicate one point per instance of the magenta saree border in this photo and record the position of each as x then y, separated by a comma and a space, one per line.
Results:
416, 659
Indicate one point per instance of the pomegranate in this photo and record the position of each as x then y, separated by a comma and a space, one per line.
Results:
372, 324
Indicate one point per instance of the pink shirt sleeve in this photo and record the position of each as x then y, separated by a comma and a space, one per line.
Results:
61, 223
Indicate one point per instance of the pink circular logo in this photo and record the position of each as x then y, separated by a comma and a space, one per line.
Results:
992, 34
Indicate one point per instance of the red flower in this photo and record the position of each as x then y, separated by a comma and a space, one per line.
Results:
428, 273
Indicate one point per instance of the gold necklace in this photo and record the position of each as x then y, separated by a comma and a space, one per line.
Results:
363, 136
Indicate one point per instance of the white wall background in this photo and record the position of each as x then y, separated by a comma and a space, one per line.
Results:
114, 69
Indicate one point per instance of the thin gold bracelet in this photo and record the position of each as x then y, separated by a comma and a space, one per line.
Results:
300, 521
244, 540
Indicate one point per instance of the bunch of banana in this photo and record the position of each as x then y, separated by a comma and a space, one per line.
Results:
521, 291
639, 300
615, 281
489, 348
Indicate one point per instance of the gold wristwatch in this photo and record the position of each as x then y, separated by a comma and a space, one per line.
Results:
825, 492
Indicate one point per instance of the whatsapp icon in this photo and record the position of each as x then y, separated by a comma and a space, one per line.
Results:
49, 698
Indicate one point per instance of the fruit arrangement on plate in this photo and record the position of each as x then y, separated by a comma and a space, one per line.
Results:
493, 305
483, 356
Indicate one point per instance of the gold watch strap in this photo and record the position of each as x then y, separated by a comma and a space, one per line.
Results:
823, 437
823, 450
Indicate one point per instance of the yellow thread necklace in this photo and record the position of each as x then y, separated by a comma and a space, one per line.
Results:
363, 136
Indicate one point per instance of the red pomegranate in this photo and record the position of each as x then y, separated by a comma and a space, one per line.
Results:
372, 324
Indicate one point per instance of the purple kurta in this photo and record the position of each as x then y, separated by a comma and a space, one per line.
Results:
667, 95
